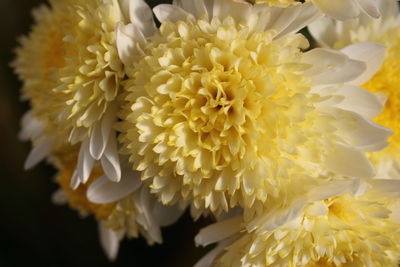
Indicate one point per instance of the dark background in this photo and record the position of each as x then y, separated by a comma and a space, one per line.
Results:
32, 229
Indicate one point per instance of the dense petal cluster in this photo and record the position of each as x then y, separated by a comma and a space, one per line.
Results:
385, 83
222, 113
347, 230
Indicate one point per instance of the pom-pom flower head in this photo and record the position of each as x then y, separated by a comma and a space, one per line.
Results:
74, 83
224, 108
386, 82
358, 228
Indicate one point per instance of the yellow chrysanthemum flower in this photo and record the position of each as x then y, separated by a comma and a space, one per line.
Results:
342, 10
122, 209
386, 81
359, 229
227, 110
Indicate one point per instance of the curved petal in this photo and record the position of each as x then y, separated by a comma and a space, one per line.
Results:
166, 12
109, 241
167, 215
218, 231
104, 191
349, 162
370, 8
338, 9
110, 160
141, 16
85, 162
39, 152
126, 38
360, 101
372, 54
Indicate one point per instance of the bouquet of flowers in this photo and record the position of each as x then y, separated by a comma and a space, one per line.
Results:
280, 119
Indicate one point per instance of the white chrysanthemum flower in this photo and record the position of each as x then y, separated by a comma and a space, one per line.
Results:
124, 209
386, 82
72, 73
359, 228
339, 9
225, 108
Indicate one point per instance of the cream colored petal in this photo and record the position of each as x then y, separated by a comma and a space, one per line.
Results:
109, 241
110, 160
323, 31
104, 191
126, 38
388, 8
306, 15
85, 162
196, 7
332, 189
167, 215
59, 197
208, 259
272, 219
372, 54
341, 74
218, 231
347, 161
362, 133
142, 17
370, 8
224, 8
338, 9
165, 12
323, 60
360, 101
39, 152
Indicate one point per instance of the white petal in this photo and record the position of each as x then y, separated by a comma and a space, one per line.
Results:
338, 9
225, 8
360, 101
97, 146
345, 73
195, 7
167, 215
110, 160
142, 17
85, 162
104, 191
165, 12
273, 219
39, 152
152, 227
31, 128
208, 259
59, 197
306, 15
349, 162
388, 8
332, 189
323, 60
75, 180
323, 31
109, 241
126, 38
372, 54
384, 187
218, 231
360, 132
369, 7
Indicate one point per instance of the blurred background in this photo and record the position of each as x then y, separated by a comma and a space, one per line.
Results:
32, 229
